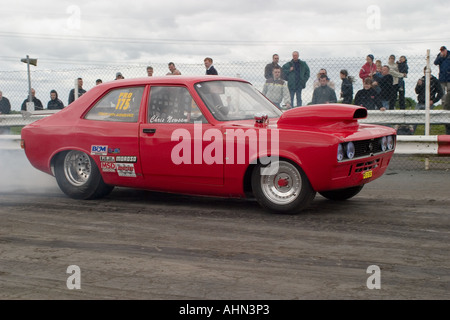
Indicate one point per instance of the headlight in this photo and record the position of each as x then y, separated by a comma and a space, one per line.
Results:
340, 153
384, 144
390, 142
350, 150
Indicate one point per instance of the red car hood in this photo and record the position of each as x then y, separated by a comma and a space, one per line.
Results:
339, 120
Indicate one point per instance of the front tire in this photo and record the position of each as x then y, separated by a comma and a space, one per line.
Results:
342, 194
287, 190
79, 177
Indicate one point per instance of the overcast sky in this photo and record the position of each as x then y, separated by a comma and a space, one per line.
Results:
67, 33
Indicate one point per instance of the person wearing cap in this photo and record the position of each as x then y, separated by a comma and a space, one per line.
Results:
368, 69
119, 76
443, 61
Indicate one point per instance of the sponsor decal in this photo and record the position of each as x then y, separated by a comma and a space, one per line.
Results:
108, 166
113, 150
107, 159
125, 169
126, 159
99, 150
169, 119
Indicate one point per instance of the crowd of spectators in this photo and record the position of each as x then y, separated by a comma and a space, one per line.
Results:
383, 85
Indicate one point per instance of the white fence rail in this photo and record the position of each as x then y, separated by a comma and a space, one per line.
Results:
406, 145
19, 120
388, 117
393, 117
411, 145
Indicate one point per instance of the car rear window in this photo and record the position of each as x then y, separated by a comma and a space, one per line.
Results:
119, 105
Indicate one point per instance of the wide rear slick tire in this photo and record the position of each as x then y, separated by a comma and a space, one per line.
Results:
341, 194
285, 189
79, 177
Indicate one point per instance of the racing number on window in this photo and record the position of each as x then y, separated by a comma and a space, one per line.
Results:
123, 103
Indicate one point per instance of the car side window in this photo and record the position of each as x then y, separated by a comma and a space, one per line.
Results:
172, 105
119, 105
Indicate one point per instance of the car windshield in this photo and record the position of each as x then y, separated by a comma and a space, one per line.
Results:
235, 100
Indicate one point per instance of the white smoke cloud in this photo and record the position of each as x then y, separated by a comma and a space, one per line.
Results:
17, 175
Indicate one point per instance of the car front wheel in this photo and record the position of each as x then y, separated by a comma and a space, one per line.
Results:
282, 188
79, 177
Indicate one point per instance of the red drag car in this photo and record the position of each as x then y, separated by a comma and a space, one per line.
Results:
212, 136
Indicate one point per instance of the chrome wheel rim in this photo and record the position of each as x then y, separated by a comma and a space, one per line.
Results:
284, 186
77, 167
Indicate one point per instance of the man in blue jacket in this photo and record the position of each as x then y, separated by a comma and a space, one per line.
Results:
296, 72
443, 61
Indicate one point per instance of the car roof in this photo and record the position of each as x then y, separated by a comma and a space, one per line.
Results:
179, 79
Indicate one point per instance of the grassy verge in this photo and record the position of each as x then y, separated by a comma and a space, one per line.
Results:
16, 130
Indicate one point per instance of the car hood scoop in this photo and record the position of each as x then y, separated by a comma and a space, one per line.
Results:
322, 116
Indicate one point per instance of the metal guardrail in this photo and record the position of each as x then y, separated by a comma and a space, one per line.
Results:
20, 120
406, 145
398, 117
411, 145
423, 145
388, 117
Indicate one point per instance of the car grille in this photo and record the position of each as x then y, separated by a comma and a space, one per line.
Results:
365, 166
367, 147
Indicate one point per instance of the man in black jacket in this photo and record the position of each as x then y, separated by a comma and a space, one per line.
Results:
268, 70
81, 91
386, 85
368, 97
37, 103
54, 103
323, 94
436, 92
209, 66
5, 105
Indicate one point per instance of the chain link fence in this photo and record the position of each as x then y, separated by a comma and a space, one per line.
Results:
14, 85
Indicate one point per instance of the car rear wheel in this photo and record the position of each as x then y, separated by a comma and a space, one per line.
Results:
79, 177
286, 190
342, 194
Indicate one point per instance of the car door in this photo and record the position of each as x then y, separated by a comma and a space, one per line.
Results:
110, 132
178, 148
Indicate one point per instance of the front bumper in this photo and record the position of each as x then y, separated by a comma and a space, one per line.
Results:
357, 172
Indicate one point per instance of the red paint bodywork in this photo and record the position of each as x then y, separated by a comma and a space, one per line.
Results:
308, 136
